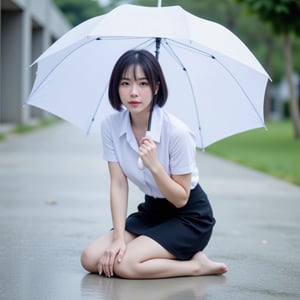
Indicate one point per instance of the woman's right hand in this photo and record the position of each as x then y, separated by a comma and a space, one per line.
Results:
111, 255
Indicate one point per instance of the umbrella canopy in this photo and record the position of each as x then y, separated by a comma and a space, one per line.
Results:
216, 85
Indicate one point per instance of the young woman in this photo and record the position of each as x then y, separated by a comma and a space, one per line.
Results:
167, 234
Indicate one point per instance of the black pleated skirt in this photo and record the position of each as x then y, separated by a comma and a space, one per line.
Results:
181, 231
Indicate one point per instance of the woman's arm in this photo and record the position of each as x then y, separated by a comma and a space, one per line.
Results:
175, 188
118, 203
118, 199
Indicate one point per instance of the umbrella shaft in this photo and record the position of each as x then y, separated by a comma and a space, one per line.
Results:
150, 116
157, 47
157, 50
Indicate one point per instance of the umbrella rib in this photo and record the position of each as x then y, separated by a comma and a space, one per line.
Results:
71, 52
243, 91
172, 53
189, 47
96, 110
224, 67
229, 72
59, 63
145, 44
104, 91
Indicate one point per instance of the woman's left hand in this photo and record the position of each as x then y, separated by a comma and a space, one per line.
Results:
147, 152
114, 253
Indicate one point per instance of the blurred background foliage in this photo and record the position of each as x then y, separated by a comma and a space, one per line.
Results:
77, 11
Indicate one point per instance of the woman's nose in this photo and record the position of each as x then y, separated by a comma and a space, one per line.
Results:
134, 90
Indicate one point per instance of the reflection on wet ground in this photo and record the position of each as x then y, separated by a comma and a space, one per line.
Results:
189, 288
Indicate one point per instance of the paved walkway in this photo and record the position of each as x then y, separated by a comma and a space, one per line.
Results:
54, 200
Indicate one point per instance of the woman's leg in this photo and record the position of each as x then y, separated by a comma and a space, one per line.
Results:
145, 258
91, 255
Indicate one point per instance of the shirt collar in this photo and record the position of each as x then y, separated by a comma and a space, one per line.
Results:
156, 124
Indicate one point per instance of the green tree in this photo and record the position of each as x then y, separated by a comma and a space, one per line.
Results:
283, 16
77, 11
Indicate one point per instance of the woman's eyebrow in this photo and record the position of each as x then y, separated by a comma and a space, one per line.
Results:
140, 78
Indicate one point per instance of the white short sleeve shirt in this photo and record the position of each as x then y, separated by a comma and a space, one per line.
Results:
175, 148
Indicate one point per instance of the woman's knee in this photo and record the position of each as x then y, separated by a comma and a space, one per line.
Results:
91, 255
88, 261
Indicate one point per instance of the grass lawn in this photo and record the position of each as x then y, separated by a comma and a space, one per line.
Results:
275, 151
24, 128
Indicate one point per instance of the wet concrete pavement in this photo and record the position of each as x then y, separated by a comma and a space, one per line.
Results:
54, 200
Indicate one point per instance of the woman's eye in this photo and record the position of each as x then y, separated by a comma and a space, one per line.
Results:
144, 83
124, 83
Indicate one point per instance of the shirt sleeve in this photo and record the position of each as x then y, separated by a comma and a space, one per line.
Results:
182, 152
109, 153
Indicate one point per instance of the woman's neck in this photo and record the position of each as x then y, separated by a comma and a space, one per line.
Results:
139, 122
139, 126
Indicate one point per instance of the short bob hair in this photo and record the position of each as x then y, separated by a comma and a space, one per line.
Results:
152, 70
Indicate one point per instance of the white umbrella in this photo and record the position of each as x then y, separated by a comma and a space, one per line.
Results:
216, 85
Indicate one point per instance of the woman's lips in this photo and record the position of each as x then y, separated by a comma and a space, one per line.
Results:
134, 103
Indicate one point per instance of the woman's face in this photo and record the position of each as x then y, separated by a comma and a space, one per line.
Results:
135, 91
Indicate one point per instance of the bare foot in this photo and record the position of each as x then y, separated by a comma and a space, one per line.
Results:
207, 266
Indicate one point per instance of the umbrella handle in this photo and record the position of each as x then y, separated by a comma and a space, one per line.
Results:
140, 163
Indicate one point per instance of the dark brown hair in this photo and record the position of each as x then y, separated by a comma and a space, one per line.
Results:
151, 68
